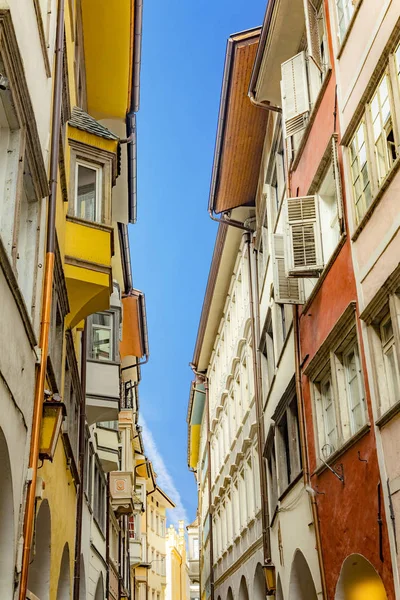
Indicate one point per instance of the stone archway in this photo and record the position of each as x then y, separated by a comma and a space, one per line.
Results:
229, 595
63, 588
39, 570
358, 580
99, 595
259, 587
301, 585
7, 548
243, 590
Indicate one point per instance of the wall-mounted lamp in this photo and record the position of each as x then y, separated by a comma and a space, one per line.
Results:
270, 577
53, 413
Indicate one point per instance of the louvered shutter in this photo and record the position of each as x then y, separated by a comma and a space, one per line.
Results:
304, 247
338, 182
287, 290
313, 41
295, 97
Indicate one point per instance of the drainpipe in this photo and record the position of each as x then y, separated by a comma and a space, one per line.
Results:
304, 450
107, 535
209, 489
259, 406
29, 516
79, 508
264, 105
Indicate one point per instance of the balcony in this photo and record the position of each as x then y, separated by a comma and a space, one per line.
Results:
88, 250
107, 448
121, 490
102, 391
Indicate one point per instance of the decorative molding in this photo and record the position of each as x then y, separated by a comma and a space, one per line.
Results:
83, 264
15, 73
341, 329
42, 37
372, 311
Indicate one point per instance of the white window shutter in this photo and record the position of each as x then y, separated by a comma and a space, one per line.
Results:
287, 290
295, 97
313, 41
338, 182
304, 245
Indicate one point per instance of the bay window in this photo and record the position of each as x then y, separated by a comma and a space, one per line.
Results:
102, 342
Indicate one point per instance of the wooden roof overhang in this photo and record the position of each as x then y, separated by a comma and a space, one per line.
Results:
241, 129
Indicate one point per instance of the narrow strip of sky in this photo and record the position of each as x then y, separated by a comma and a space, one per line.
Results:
182, 63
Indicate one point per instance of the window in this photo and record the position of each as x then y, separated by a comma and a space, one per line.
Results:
360, 172
272, 478
345, 10
338, 388
162, 527
195, 548
102, 336
71, 398
373, 149
89, 473
157, 526
288, 445
99, 496
382, 126
267, 348
391, 366
88, 203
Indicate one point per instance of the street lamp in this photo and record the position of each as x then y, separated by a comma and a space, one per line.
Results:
53, 413
270, 577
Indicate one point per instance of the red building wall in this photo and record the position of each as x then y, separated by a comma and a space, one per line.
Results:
348, 513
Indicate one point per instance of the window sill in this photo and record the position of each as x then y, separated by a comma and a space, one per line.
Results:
103, 362
324, 273
385, 184
92, 224
348, 30
291, 485
388, 415
346, 446
309, 126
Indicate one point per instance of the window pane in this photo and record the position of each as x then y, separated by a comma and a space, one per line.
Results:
329, 415
86, 193
354, 391
359, 172
385, 150
102, 332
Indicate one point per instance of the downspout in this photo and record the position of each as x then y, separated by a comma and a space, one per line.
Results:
264, 105
107, 535
79, 507
46, 306
209, 489
304, 451
259, 411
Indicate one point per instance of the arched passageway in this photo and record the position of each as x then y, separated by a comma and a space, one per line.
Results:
99, 595
229, 595
301, 585
259, 587
63, 589
358, 580
7, 549
243, 591
39, 570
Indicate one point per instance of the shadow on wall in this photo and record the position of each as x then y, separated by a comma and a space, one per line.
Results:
301, 585
39, 570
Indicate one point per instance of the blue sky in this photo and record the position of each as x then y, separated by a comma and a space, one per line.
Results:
182, 63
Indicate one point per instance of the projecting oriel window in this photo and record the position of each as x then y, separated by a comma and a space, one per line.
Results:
88, 203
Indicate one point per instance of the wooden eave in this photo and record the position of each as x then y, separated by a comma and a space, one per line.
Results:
241, 129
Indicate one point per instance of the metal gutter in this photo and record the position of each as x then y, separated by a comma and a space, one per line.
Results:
137, 56
132, 167
125, 256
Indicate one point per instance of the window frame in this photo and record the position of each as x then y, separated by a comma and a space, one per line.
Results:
114, 335
342, 35
98, 208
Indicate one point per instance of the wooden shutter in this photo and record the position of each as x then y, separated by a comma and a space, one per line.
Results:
338, 183
304, 247
295, 97
287, 290
313, 41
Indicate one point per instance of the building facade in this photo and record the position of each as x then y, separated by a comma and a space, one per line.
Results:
311, 207
177, 576
193, 559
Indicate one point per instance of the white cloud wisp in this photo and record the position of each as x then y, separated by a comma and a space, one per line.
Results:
164, 479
